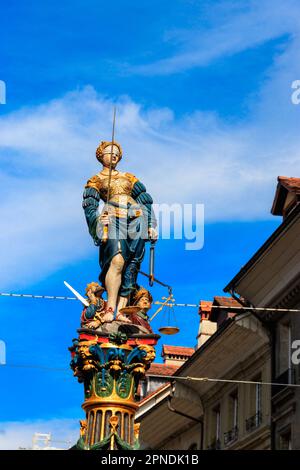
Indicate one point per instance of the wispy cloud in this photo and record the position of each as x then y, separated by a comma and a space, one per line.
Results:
47, 154
231, 27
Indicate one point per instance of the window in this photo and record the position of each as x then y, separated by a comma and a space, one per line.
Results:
216, 428
232, 434
255, 405
217, 412
285, 372
286, 440
284, 349
258, 396
234, 409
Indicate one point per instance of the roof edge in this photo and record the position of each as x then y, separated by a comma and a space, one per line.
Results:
290, 218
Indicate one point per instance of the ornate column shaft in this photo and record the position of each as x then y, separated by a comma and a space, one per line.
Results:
110, 367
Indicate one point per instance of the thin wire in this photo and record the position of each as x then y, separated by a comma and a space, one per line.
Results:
175, 377
199, 379
208, 379
35, 366
53, 297
223, 307
233, 308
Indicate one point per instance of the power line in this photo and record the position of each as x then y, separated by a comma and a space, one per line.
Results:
222, 307
32, 296
233, 308
208, 379
36, 366
173, 377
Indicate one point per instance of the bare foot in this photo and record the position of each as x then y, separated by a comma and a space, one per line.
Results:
122, 318
94, 324
108, 316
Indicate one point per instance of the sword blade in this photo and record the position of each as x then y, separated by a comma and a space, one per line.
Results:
79, 297
151, 267
105, 228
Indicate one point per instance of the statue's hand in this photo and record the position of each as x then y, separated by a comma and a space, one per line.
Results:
104, 218
152, 233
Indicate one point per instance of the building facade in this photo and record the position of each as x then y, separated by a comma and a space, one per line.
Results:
250, 348
271, 278
173, 358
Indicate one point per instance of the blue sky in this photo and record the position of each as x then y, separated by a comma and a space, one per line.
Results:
203, 91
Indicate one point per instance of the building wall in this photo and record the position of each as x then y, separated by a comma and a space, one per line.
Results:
150, 384
286, 400
296, 422
255, 367
273, 280
185, 439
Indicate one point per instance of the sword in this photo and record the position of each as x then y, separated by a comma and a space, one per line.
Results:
79, 297
105, 228
151, 263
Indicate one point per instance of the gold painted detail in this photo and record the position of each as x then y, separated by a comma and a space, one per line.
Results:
113, 421
94, 182
89, 356
132, 178
83, 427
111, 372
120, 185
136, 430
86, 361
150, 354
109, 424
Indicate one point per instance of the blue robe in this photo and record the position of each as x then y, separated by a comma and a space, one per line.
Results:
125, 235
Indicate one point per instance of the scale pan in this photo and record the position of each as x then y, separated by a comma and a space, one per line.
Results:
168, 330
130, 310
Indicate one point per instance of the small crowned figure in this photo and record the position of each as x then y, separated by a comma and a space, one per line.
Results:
142, 299
122, 228
94, 315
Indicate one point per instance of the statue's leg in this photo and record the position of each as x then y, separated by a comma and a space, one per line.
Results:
121, 303
113, 280
129, 276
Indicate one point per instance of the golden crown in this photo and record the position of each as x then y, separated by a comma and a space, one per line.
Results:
142, 292
93, 284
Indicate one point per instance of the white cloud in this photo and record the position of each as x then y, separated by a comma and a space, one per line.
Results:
47, 154
232, 28
19, 434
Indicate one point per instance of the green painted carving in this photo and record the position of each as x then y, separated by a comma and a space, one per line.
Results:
104, 383
123, 385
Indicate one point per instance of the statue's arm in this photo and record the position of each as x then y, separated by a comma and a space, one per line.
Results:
90, 204
140, 195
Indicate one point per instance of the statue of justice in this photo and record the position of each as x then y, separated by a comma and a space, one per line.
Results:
121, 230
116, 344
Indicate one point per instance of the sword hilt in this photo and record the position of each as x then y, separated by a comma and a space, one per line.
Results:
104, 237
105, 234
